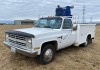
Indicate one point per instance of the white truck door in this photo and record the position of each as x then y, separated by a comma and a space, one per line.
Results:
68, 35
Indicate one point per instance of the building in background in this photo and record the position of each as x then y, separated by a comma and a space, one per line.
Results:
2, 23
24, 22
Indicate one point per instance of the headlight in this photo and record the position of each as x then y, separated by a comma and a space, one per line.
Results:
29, 43
29, 40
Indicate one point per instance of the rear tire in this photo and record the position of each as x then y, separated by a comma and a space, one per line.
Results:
88, 41
47, 54
84, 45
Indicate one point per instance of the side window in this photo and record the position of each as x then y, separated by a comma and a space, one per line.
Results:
67, 24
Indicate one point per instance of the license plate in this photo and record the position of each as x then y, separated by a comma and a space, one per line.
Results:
13, 49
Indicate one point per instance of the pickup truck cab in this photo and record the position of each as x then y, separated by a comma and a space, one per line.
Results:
47, 36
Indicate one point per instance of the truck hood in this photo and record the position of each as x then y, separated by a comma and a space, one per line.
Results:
36, 31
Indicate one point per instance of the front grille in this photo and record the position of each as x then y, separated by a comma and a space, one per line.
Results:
18, 41
17, 37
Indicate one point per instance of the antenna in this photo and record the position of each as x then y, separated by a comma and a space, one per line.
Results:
84, 14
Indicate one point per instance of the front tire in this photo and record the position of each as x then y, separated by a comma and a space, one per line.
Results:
47, 54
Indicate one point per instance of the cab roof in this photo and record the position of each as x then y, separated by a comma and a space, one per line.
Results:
58, 17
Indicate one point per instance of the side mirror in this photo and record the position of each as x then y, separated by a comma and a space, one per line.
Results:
74, 27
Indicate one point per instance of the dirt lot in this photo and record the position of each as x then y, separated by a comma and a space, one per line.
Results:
72, 58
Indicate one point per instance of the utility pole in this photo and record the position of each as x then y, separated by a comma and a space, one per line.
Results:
75, 18
91, 20
78, 19
84, 14
39, 16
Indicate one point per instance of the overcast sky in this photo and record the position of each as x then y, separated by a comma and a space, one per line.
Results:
30, 9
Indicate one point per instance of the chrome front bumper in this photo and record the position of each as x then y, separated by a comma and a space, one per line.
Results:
30, 53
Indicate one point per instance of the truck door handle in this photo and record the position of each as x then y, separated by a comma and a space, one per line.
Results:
60, 37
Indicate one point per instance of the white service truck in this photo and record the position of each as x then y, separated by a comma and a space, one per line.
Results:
47, 36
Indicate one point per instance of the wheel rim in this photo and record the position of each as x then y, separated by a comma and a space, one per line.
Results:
48, 55
86, 43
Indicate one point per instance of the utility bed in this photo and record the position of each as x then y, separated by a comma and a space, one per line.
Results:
83, 30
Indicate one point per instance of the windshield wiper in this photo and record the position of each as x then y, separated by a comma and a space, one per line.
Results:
48, 27
37, 26
44, 26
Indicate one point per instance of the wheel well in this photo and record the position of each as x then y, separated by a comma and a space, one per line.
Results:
54, 43
89, 36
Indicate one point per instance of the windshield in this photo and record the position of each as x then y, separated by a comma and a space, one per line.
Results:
54, 23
